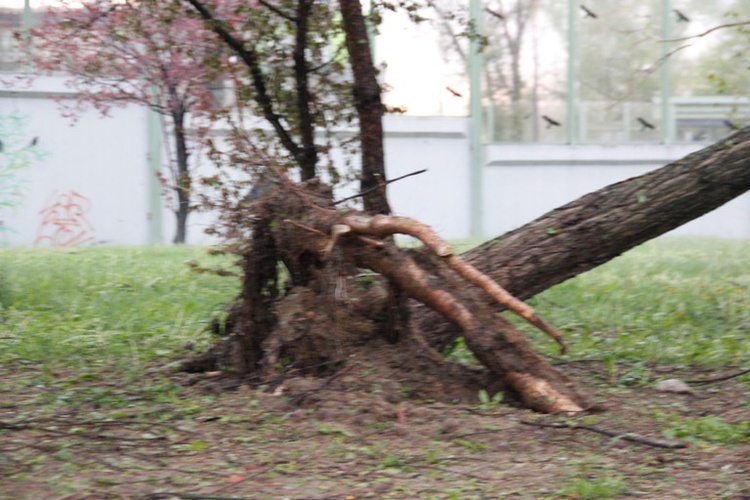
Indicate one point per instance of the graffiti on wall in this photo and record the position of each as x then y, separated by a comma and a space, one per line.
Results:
64, 221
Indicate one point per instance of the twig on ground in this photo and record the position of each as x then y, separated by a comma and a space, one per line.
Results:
619, 435
718, 379
559, 361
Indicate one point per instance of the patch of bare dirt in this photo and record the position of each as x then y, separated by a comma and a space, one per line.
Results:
365, 430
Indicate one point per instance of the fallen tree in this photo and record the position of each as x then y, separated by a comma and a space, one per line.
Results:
601, 225
325, 250
346, 289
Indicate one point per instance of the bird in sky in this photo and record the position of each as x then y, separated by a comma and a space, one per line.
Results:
645, 125
551, 122
588, 12
681, 18
454, 92
495, 13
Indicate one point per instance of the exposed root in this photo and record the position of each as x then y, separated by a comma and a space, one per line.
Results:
383, 225
324, 317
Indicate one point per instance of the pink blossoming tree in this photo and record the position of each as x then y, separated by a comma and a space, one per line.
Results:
138, 52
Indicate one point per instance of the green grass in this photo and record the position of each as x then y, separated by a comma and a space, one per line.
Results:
607, 486
710, 429
675, 301
114, 306
84, 335
680, 301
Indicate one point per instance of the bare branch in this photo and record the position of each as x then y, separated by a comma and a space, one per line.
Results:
378, 187
250, 58
277, 11
708, 31
383, 225
502, 297
444, 18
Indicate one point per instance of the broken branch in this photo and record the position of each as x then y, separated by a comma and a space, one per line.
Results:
503, 297
617, 435
379, 186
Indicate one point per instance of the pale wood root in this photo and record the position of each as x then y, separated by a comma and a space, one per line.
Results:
385, 225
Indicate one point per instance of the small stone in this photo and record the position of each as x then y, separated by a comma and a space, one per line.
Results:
674, 385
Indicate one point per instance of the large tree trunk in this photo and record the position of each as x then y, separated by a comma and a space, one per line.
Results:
323, 249
369, 106
601, 225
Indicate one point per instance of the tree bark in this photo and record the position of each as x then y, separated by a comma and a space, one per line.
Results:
601, 225
308, 152
183, 181
369, 107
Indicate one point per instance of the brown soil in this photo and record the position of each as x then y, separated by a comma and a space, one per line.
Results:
371, 429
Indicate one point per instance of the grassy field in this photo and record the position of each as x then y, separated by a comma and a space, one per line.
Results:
93, 306
88, 411
674, 301
682, 301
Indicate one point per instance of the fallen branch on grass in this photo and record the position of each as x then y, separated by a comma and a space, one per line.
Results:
617, 435
718, 379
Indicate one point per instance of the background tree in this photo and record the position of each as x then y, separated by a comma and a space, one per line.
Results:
718, 67
137, 52
618, 62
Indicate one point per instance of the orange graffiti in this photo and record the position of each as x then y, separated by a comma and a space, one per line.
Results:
64, 221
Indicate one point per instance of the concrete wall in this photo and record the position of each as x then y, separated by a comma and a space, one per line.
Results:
440, 196
522, 182
91, 183
94, 183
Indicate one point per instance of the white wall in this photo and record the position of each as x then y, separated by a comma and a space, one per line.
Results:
523, 182
440, 196
94, 183
91, 184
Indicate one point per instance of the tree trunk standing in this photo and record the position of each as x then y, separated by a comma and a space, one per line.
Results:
514, 40
182, 182
369, 107
308, 155
603, 224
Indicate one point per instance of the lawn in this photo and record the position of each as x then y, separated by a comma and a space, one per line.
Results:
107, 306
90, 409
